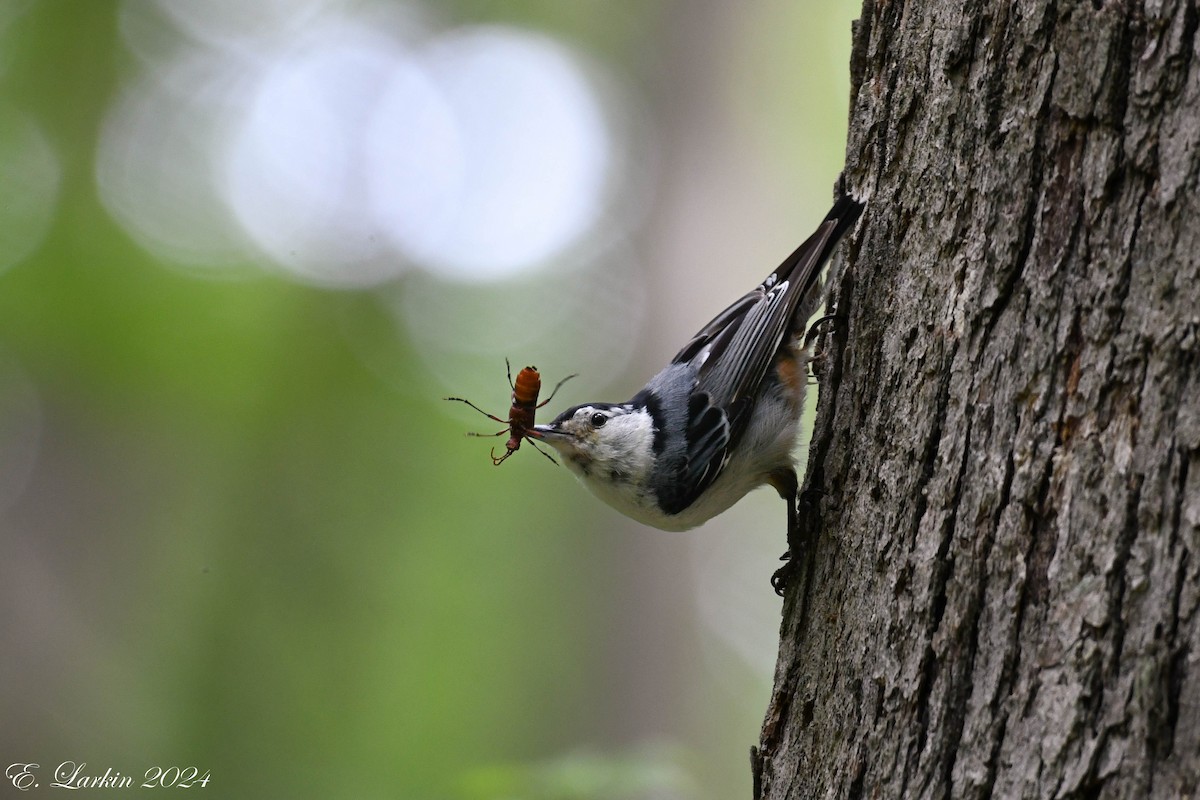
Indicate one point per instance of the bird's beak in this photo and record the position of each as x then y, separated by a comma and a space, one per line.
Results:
548, 432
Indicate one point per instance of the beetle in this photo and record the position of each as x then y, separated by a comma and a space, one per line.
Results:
521, 414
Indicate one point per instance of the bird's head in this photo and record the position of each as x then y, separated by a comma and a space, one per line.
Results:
603, 441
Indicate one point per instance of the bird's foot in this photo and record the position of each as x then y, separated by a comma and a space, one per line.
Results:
807, 526
782, 576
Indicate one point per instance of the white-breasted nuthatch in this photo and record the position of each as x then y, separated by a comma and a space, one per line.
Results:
722, 418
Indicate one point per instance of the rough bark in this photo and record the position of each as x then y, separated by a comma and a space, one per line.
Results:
1002, 598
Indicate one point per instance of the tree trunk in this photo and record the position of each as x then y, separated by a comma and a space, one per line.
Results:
1002, 597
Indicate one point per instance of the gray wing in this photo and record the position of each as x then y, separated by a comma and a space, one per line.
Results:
689, 463
730, 357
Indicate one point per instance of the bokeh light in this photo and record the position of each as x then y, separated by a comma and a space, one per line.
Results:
156, 171
296, 171
29, 175
236, 24
347, 143
523, 173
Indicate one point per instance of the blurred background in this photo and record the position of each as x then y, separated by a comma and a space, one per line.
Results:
245, 250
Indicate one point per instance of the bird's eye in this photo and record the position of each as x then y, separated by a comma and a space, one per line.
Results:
598, 420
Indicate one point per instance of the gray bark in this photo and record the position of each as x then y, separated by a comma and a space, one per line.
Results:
1002, 598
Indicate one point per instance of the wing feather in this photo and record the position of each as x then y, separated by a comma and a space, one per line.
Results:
734, 351
708, 439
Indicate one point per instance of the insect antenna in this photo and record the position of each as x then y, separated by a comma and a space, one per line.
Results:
557, 386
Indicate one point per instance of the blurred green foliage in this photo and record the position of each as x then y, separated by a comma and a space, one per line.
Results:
242, 548
655, 771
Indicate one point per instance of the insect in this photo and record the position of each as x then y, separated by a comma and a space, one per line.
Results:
520, 420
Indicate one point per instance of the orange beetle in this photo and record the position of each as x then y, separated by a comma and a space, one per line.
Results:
521, 415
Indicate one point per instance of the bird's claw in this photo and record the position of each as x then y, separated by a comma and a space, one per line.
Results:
783, 576
808, 519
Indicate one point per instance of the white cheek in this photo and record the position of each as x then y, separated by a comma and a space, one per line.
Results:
629, 444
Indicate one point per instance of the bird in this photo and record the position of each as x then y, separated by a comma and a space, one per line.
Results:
722, 418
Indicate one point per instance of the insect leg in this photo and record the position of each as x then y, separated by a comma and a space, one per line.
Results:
540, 450
477, 408
488, 435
